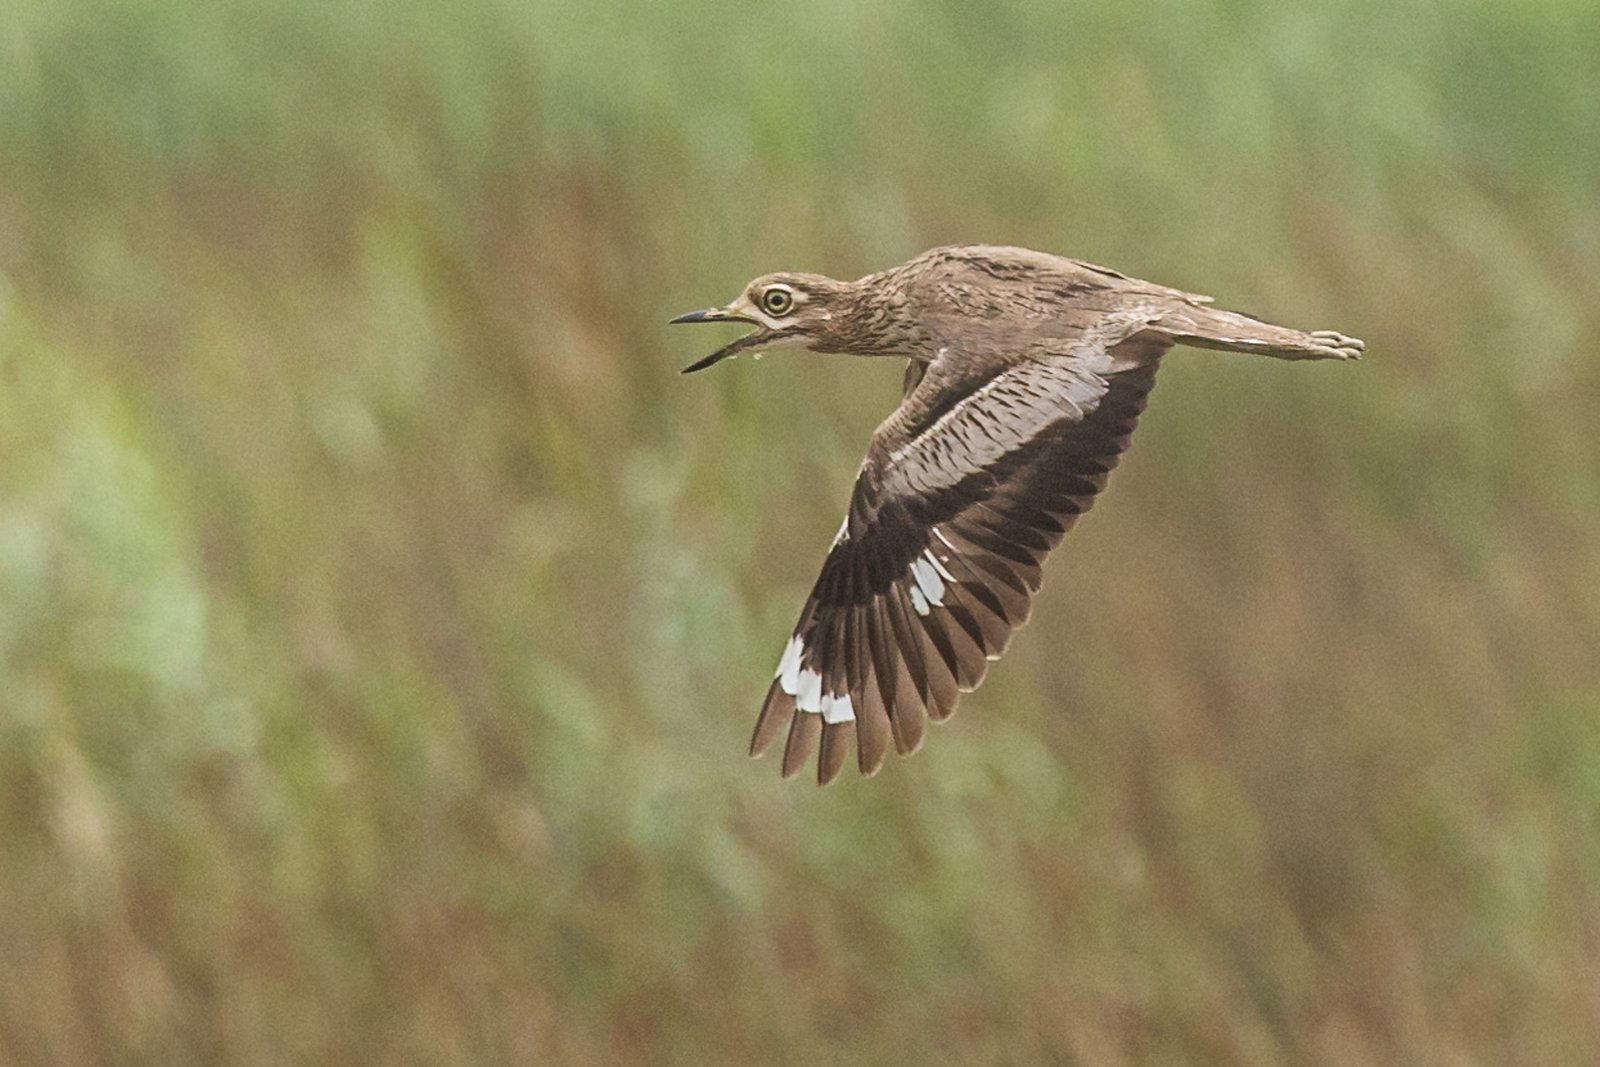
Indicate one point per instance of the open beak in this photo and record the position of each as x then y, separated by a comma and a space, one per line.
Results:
708, 315
719, 315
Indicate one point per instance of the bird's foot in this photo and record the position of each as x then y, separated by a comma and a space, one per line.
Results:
1331, 344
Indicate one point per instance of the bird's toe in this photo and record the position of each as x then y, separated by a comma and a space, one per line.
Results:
1334, 345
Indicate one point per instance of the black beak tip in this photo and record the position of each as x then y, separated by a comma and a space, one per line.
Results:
708, 315
702, 364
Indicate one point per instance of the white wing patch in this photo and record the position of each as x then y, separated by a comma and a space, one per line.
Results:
926, 590
928, 578
789, 666
925, 572
809, 696
805, 685
838, 708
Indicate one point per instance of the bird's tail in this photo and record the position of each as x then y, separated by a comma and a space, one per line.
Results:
1232, 331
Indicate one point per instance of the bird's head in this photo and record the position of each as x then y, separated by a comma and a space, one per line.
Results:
786, 309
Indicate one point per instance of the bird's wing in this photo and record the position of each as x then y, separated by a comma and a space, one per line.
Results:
962, 494
915, 369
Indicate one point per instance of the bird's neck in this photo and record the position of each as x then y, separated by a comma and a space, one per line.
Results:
872, 317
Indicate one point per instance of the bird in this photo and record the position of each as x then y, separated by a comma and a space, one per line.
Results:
1025, 375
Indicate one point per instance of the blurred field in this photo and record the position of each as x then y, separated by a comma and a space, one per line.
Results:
382, 617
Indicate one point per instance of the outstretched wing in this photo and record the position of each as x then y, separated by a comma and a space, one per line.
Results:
961, 496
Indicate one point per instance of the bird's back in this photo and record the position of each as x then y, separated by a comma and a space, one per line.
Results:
1007, 267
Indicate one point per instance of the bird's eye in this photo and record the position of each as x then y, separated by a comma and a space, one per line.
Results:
777, 301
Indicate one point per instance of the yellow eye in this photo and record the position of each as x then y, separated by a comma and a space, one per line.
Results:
777, 301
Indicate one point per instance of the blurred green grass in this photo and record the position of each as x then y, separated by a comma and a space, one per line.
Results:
381, 616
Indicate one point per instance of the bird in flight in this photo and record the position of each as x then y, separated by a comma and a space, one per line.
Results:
1025, 374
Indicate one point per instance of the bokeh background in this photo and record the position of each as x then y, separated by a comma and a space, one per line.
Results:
382, 617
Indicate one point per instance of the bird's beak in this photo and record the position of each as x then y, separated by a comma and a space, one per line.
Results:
727, 314
708, 315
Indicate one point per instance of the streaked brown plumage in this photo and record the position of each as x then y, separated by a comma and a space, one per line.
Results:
1026, 374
